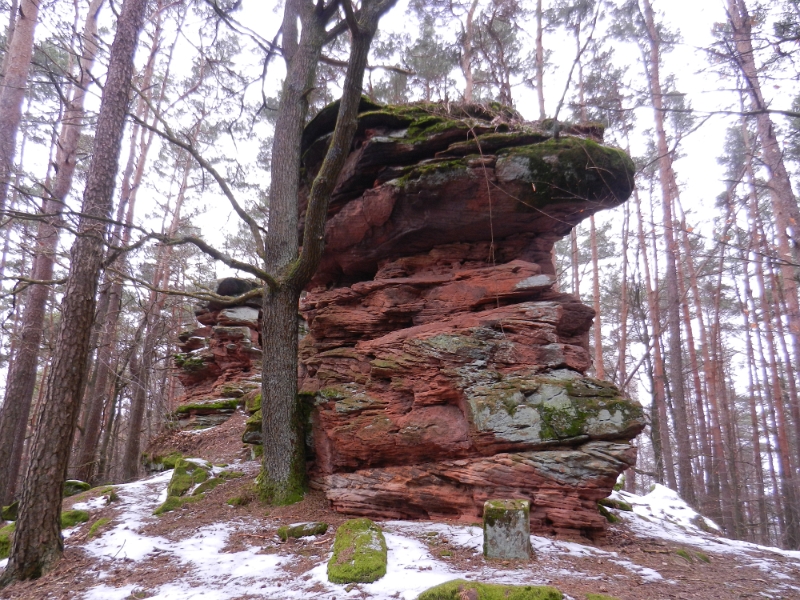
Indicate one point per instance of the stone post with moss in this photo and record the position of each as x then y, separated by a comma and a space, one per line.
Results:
506, 529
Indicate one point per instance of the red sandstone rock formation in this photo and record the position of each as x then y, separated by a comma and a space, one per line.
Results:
444, 366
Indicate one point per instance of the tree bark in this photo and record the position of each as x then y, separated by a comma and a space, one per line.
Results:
38, 544
16, 65
669, 189
22, 375
282, 478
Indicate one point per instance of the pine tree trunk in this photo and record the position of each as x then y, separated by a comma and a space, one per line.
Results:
599, 368
38, 544
539, 60
669, 194
16, 64
22, 376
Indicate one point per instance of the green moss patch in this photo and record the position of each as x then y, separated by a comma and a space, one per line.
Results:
70, 518
207, 486
208, 406
618, 504
599, 597
252, 401
97, 526
9, 513
252, 429
5, 540
174, 503
359, 553
73, 487
567, 170
609, 516
187, 474
459, 588
299, 530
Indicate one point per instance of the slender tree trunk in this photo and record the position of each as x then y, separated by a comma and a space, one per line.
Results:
659, 387
599, 368
539, 60
467, 52
22, 376
38, 544
15, 76
669, 189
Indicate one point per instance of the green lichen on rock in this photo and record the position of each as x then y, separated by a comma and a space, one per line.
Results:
618, 504
540, 409
5, 539
252, 429
359, 553
96, 526
506, 529
70, 518
187, 474
221, 404
459, 588
567, 169
9, 513
189, 362
609, 516
252, 401
299, 530
73, 487
207, 486
161, 463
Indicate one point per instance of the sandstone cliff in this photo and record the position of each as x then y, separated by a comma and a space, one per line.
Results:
442, 367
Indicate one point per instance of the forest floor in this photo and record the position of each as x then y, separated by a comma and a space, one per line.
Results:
213, 550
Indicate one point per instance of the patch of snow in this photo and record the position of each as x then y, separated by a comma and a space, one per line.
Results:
104, 592
91, 504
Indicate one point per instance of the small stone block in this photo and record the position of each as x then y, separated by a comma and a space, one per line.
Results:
506, 529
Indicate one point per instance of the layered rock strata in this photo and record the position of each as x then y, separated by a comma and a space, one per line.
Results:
219, 363
443, 365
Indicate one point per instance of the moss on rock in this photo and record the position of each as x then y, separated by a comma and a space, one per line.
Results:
209, 406
73, 487
299, 530
618, 504
9, 513
70, 518
187, 474
459, 588
5, 540
174, 503
567, 169
359, 553
599, 597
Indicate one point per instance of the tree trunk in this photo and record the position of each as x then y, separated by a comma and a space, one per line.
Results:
669, 189
539, 60
283, 474
38, 544
599, 368
16, 65
467, 52
22, 375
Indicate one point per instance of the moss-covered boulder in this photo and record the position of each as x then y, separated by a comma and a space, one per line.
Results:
71, 518
73, 487
252, 429
474, 590
299, 530
186, 475
189, 475
359, 553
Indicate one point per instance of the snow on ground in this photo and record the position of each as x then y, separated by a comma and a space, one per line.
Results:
204, 571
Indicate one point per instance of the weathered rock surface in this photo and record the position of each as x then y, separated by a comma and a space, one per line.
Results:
219, 363
444, 366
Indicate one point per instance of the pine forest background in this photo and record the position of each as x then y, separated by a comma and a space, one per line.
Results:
695, 278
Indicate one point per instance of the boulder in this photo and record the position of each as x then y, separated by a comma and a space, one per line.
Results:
506, 529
